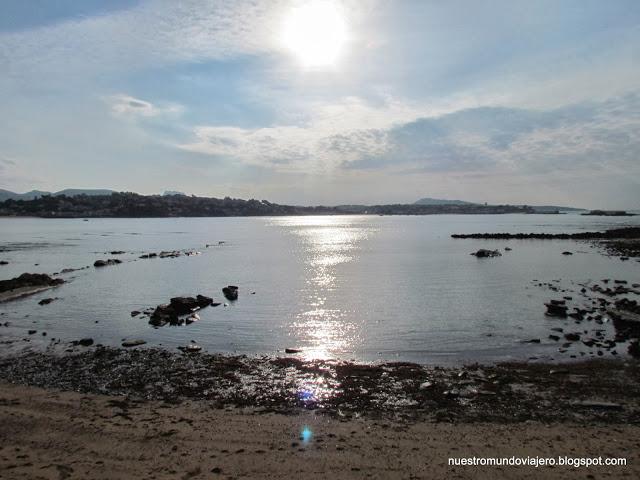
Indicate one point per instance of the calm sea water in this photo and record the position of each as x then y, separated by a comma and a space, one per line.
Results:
350, 287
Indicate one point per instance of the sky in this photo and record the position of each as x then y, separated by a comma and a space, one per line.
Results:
325, 101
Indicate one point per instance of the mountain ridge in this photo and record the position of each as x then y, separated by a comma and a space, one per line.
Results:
69, 192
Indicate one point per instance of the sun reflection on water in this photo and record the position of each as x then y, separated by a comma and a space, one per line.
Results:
327, 245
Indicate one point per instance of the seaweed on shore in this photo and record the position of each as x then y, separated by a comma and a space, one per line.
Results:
607, 391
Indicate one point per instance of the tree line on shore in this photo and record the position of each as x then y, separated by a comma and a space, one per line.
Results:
126, 204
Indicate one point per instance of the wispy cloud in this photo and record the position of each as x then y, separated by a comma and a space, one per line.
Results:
328, 135
591, 135
157, 32
127, 106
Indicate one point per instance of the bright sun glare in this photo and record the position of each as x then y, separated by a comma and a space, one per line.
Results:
316, 33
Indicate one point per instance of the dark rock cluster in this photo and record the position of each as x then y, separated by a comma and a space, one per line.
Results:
29, 280
174, 312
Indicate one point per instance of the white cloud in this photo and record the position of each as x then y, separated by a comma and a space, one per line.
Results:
584, 137
329, 135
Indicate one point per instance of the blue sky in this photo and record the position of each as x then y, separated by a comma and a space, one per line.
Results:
499, 101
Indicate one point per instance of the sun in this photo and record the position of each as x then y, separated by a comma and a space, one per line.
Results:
315, 33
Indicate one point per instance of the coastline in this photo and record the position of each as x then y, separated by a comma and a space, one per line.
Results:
72, 411
582, 392
52, 434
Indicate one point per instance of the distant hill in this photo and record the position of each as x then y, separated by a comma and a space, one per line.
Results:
552, 208
439, 201
537, 208
33, 194
6, 195
172, 192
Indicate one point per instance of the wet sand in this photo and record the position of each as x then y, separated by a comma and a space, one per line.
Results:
66, 435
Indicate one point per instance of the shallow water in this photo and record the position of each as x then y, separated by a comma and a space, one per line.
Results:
351, 287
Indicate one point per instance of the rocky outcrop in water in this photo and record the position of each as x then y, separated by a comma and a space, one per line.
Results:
556, 308
616, 233
29, 280
230, 292
104, 263
484, 253
26, 284
46, 301
173, 312
608, 213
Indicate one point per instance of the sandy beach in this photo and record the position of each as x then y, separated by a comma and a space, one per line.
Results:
47, 434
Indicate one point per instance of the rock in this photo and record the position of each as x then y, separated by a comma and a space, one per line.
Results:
572, 337
184, 305
190, 348
135, 313
567, 253
104, 263
117, 252
507, 249
29, 280
4, 262
46, 301
203, 301
85, 342
170, 254
554, 337
533, 340
133, 343
170, 312
31, 332
230, 292
26, 284
484, 253
162, 315
292, 350
596, 405
149, 255
425, 385
634, 349
556, 308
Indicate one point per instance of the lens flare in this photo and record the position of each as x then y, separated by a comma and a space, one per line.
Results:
306, 434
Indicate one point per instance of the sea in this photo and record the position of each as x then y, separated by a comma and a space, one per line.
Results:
363, 288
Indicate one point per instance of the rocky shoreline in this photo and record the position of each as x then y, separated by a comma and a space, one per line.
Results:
582, 392
611, 234
618, 242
